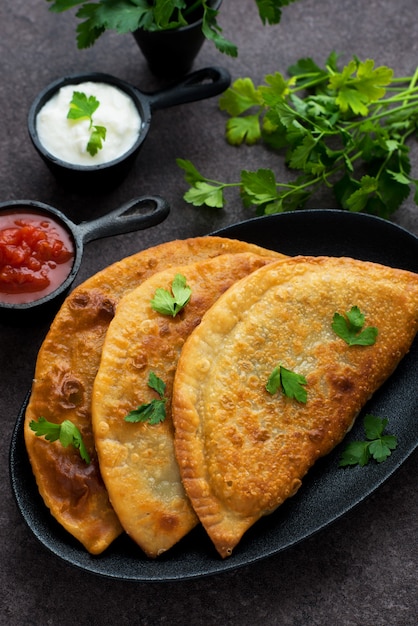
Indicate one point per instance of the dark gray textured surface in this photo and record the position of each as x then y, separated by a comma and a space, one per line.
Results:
361, 570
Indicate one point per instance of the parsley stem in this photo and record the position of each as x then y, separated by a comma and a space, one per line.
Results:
192, 7
412, 84
309, 84
386, 113
221, 185
406, 79
407, 94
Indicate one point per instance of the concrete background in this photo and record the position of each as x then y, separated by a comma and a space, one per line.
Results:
363, 569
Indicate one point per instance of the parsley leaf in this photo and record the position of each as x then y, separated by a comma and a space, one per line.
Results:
66, 432
239, 129
260, 184
377, 445
202, 190
350, 328
170, 304
157, 384
240, 97
270, 10
95, 143
152, 412
359, 84
192, 174
82, 108
205, 193
289, 382
213, 32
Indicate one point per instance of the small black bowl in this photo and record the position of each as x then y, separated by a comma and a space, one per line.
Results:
199, 85
171, 53
137, 214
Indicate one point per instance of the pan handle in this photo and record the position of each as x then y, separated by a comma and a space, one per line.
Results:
136, 214
204, 83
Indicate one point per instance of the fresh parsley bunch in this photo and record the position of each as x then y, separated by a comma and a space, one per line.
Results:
344, 128
126, 16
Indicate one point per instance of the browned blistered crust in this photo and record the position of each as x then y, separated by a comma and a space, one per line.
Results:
243, 451
65, 370
137, 461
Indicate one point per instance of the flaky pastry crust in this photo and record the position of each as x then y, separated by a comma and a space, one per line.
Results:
66, 366
137, 460
243, 451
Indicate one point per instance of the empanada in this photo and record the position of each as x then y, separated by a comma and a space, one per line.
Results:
137, 460
66, 366
242, 450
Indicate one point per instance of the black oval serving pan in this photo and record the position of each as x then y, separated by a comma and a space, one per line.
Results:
328, 492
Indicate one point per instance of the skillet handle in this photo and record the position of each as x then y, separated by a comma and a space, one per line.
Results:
136, 214
193, 87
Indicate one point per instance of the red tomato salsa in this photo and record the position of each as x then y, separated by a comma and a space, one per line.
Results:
36, 256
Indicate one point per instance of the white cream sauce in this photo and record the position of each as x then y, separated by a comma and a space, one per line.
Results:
67, 139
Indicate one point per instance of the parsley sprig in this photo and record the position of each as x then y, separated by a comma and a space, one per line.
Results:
82, 107
346, 129
350, 328
377, 445
172, 303
67, 433
289, 382
152, 412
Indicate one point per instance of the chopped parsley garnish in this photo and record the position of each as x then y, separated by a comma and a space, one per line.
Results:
377, 445
152, 412
350, 328
66, 432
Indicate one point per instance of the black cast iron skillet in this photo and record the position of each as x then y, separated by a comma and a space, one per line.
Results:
199, 85
137, 214
328, 491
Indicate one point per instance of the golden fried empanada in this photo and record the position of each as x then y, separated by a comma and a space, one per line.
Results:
66, 366
243, 450
137, 460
